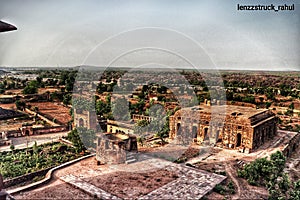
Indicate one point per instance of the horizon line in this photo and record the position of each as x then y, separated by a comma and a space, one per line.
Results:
181, 68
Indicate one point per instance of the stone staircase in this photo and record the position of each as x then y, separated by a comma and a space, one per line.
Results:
131, 157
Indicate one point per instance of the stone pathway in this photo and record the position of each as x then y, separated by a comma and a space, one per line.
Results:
191, 184
88, 188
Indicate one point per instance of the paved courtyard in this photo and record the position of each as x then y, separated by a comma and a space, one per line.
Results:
191, 183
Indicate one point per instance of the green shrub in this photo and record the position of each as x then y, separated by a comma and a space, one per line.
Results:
219, 189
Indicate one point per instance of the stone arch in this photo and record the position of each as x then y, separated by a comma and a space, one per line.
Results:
80, 122
205, 133
178, 125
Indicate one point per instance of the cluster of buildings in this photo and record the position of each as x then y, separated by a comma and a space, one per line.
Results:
233, 127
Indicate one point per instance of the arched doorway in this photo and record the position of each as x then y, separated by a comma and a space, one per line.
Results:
81, 123
178, 127
27, 133
218, 137
194, 131
238, 140
205, 133
263, 137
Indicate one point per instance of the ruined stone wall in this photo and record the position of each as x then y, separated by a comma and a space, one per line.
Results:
292, 145
29, 130
44, 130
117, 129
111, 150
142, 117
24, 178
263, 131
41, 117
236, 132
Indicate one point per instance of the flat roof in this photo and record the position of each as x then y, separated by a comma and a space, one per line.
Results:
239, 111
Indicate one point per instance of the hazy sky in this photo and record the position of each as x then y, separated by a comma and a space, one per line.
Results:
207, 33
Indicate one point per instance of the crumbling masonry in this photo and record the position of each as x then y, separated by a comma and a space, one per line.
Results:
241, 128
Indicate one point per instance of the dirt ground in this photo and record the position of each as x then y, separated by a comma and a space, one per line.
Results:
242, 189
57, 190
132, 185
11, 106
59, 112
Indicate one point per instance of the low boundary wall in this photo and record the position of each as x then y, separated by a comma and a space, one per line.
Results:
48, 176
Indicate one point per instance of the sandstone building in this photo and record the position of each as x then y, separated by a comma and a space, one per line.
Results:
234, 127
120, 127
116, 148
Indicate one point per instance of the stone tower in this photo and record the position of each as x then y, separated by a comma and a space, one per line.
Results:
85, 118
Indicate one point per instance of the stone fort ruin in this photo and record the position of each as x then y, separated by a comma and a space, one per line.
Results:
115, 148
85, 118
242, 128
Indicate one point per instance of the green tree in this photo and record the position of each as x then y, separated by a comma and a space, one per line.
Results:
291, 106
39, 79
74, 137
20, 105
12, 147
295, 193
141, 140
103, 108
31, 88
88, 137
119, 109
268, 104
35, 148
67, 99
262, 171
278, 160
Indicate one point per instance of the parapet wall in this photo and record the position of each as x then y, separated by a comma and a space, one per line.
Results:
24, 178
292, 145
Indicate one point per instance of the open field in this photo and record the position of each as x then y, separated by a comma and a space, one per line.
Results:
53, 111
